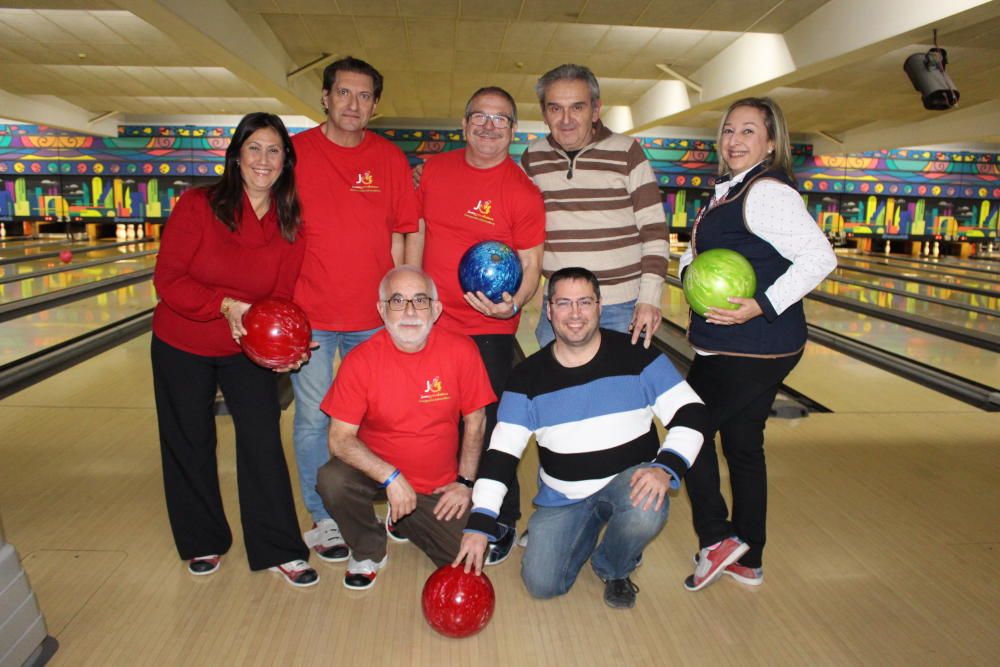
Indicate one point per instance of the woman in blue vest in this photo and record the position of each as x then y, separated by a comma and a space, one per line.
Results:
744, 354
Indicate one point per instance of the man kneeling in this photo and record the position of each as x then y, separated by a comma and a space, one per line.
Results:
394, 409
589, 398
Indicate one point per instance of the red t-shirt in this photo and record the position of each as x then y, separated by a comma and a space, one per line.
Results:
352, 200
408, 405
461, 206
201, 261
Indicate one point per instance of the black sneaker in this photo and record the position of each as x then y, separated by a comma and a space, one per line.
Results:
500, 550
620, 593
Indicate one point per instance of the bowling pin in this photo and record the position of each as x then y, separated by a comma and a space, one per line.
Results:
937, 249
3, 230
888, 248
140, 231
130, 232
925, 248
120, 232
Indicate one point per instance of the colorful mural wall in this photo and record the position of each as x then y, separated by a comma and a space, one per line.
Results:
47, 174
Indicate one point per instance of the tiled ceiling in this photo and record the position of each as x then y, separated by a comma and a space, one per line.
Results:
102, 57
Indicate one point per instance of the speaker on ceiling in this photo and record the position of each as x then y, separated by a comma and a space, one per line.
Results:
927, 73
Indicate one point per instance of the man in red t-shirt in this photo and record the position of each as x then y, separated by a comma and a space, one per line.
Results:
356, 193
394, 409
474, 194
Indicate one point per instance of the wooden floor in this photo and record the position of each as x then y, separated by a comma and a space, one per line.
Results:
883, 542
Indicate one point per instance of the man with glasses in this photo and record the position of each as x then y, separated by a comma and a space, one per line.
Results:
357, 200
602, 204
394, 410
477, 193
589, 399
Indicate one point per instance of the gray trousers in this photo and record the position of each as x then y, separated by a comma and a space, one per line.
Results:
348, 495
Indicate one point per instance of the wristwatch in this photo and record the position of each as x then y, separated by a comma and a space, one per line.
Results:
465, 482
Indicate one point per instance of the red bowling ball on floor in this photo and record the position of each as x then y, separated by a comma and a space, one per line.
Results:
66, 256
278, 333
457, 603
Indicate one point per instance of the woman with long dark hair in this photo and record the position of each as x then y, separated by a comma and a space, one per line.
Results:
224, 247
744, 354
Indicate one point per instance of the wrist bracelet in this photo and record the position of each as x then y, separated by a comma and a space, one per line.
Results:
515, 308
225, 306
390, 479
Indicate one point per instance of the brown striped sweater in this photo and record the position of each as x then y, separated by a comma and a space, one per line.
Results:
603, 212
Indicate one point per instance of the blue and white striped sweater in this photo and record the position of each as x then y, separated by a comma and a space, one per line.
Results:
590, 422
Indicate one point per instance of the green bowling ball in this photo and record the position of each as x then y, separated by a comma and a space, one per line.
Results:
714, 276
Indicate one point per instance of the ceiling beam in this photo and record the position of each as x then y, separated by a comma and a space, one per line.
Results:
839, 33
975, 123
227, 38
56, 112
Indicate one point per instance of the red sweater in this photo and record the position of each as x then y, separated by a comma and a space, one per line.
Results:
201, 262
353, 200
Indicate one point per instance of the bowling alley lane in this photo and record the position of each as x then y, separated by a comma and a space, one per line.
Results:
840, 382
958, 277
957, 297
29, 286
82, 254
967, 361
32, 333
958, 317
930, 263
31, 248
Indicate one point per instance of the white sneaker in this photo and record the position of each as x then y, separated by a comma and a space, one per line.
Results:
325, 539
361, 574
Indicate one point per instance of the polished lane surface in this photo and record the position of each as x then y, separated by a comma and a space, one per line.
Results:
30, 286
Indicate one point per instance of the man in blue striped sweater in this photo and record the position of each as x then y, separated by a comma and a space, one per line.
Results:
589, 398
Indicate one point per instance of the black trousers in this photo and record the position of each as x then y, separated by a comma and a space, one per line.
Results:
497, 351
738, 392
184, 386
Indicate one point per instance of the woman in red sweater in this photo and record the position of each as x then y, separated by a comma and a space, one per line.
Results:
224, 247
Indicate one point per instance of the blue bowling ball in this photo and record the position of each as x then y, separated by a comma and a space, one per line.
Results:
490, 267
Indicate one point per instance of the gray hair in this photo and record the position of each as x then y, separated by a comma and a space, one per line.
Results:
568, 72
493, 90
383, 287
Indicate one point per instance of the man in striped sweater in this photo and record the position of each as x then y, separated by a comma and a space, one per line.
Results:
603, 207
589, 399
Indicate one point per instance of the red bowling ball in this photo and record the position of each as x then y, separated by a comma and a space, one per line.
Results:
278, 333
457, 603
66, 256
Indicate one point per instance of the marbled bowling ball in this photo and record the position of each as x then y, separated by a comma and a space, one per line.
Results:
490, 267
457, 603
278, 333
714, 276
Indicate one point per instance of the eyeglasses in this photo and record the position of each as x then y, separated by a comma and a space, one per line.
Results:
583, 303
499, 121
419, 302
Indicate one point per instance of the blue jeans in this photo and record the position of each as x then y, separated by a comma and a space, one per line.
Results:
312, 426
616, 317
563, 538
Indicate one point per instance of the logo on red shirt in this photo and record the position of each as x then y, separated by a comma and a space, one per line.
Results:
366, 183
434, 391
481, 211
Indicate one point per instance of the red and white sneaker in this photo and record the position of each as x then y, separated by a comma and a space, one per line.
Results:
749, 576
390, 528
325, 539
713, 561
199, 566
361, 574
297, 573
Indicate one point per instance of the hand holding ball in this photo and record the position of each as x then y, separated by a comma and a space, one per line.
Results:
278, 333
